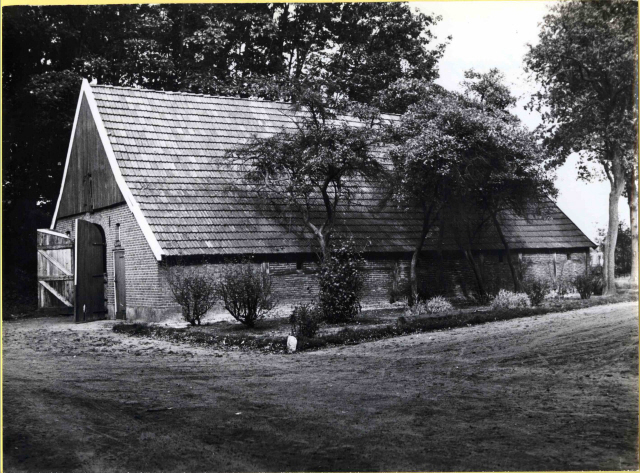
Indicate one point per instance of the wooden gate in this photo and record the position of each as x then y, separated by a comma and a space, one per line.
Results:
90, 275
55, 270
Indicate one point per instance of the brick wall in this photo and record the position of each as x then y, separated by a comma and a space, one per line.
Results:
454, 277
296, 281
144, 293
292, 282
567, 264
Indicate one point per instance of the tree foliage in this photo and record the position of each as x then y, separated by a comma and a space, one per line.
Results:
488, 89
469, 159
624, 244
354, 49
224, 49
585, 64
309, 173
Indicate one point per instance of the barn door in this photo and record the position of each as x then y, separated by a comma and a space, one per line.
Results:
120, 282
90, 272
55, 271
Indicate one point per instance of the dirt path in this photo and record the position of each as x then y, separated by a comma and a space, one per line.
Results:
552, 392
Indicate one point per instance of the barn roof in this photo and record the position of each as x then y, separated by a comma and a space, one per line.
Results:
170, 150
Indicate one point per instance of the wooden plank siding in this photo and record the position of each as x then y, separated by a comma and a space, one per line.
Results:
89, 184
55, 270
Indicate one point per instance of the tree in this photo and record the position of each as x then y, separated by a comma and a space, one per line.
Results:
220, 49
309, 173
514, 181
631, 192
623, 255
401, 94
624, 245
424, 166
585, 63
464, 163
375, 44
489, 90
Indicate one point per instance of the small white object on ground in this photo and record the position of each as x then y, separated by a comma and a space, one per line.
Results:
292, 343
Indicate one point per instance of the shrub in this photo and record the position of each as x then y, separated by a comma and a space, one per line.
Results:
510, 300
434, 305
245, 291
438, 304
584, 285
194, 289
416, 310
563, 286
589, 284
536, 289
598, 284
341, 283
305, 320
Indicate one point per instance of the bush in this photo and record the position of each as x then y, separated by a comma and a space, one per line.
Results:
598, 284
434, 305
194, 289
589, 284
341, 284
510, 300
438, 304
416, 310
305, 320
584, 285
245, 291
563, 286
536, 289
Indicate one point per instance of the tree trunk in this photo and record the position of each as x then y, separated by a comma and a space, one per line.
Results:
476, 272
324, 247
616, 182
413, 272
632, 197
512, 268
413, 276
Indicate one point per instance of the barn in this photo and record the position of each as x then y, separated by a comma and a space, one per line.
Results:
146, 185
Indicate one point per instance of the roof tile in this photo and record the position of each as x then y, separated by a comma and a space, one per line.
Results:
171, 151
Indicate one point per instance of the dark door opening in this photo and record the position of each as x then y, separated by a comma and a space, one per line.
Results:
90, 272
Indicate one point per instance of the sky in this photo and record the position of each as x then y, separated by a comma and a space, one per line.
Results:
495, 34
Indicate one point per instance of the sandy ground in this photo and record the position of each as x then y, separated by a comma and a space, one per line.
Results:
552, 392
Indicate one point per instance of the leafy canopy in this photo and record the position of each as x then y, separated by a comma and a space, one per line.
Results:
222, 49
257, 50
485, 158
585, 63
309, 172
463, 161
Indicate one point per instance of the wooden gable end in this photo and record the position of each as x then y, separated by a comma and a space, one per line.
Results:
89, 183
